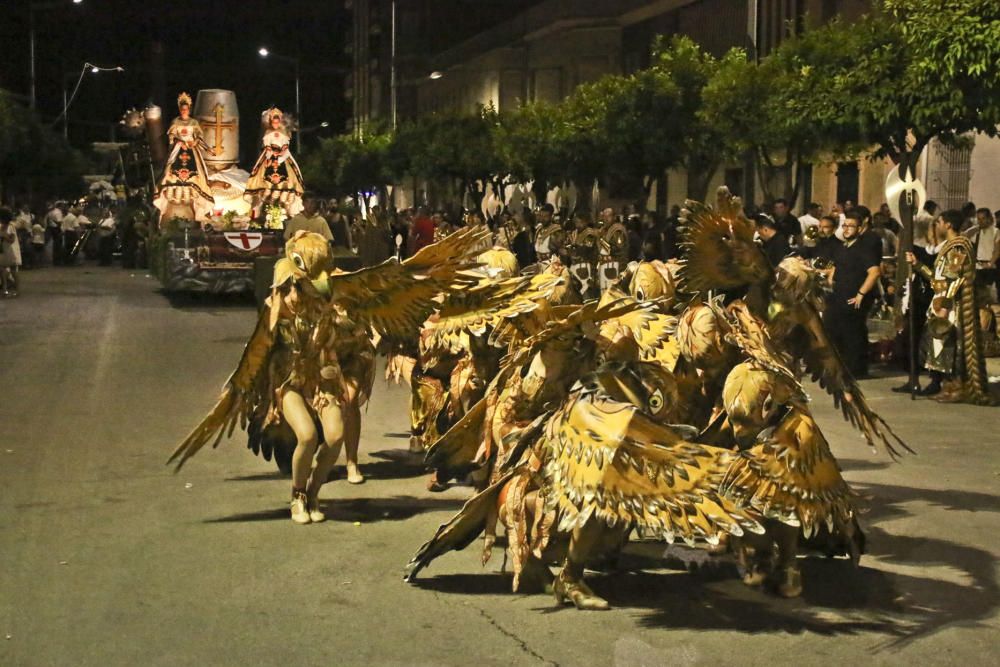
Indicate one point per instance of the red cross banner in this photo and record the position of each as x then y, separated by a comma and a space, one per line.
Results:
244, 240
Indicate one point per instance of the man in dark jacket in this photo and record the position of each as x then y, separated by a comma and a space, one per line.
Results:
773, 240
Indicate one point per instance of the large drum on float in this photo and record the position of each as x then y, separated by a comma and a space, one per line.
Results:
219, 117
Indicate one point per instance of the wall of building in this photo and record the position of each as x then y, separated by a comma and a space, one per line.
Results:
984, 172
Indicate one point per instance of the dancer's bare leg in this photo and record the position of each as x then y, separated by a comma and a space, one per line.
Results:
352, 439
569, 585
296, 414
787, 574
332, 419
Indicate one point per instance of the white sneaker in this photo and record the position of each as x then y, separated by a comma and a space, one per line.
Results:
315, 513
354, 475
300, 514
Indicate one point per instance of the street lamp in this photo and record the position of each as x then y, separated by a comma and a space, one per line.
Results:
68, 99
32, 8
265, 53
313, 128
435, 75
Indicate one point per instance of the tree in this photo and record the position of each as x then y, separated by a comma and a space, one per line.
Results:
646, 130
452, 148
701, 148
920, 69
528, 145
346, 165
35, 160
773, 108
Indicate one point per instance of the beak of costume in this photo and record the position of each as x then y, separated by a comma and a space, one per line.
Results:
322, 283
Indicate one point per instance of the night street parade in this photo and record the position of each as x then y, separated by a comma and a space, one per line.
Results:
506, 332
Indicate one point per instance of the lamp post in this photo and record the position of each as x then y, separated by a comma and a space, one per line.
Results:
68, 99
32, 8
264, 52
314, 128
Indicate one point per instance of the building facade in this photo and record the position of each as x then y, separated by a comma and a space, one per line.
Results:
460, 55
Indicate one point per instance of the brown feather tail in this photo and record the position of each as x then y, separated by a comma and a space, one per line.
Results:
460, 531
220, 420
456, 449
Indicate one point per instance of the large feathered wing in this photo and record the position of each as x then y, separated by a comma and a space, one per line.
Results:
649, 330
461, 529
824, 365
481, 308
792, 476
607, 460
750, 335
242, 395
396, 297
718, 245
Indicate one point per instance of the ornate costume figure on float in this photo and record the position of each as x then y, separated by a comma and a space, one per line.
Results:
952, 345
184, 191
275, 179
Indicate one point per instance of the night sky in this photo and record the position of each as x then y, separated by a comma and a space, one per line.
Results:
206, 44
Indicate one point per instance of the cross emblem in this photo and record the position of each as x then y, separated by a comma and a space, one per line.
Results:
218, 126
244, 240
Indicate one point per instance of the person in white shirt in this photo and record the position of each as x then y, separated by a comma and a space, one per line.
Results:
922, 227
22, 223
70, 234
986, 243
106, 239
810, 221
38, 243
9, 253
53, 230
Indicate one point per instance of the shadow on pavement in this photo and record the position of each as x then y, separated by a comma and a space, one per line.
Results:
259, 477
491, 583
394, 464
363, 510
849, 465
205, 301
956, 584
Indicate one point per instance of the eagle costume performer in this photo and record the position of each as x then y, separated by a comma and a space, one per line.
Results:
694, 429
310, 361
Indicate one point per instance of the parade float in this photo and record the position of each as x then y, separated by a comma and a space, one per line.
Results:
209, 242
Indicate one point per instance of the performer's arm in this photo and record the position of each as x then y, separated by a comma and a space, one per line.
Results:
919, 266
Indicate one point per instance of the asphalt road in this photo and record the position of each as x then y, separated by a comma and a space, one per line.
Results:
108, 558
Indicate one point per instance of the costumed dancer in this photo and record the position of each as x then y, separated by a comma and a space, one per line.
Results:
607, 453
582, 251
275, 179
184, 191
613, 250
548, 234
310, 362
952, 344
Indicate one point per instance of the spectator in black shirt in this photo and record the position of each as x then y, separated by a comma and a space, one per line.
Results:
866, 235
653, 237
773, 240
787, 223
826, 242
671, 233
856, 271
